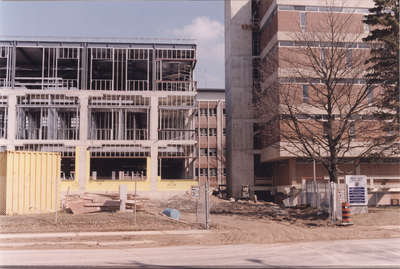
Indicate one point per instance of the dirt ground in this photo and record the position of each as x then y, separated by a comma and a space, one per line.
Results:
231, 223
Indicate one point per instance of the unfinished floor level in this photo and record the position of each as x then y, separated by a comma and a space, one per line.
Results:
115, 110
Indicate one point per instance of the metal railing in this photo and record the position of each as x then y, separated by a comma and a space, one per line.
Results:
32, 133
110, 134
69, 83
182, 86
138, 85
42, 134
136, 134
101, 134
101, 84
176, 134
68, 134
38, 82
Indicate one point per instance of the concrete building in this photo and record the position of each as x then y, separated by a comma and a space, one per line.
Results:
114, 109
253, 30
211, 127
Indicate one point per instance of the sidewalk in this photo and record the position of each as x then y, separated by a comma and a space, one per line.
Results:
96, 239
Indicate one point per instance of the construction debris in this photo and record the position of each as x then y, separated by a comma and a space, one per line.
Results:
92, 202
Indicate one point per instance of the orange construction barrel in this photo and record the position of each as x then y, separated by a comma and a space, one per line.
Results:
346, 214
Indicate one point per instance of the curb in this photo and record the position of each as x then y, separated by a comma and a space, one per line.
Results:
79, 234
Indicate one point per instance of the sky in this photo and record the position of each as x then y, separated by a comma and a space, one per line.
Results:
201, 21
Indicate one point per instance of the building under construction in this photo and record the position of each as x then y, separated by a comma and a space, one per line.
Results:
115, 110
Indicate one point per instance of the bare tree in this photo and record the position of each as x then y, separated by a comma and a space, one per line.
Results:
313, 99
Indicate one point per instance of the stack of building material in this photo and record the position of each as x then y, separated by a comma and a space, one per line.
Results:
91, 203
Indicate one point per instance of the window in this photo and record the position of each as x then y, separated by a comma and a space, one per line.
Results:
302, 8
203, 152
303, 21
370, 96
323, 56
213, 172
352, 130
212, 152
203, 111
203, 131
224, 131
224, 171
325, 128
203, 172
349, 58
212, 111
212, 132
306, 98
224, 111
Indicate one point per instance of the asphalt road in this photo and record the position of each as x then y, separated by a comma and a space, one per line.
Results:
374, 253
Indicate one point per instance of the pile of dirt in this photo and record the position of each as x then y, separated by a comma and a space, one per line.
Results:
268, 211
185, 203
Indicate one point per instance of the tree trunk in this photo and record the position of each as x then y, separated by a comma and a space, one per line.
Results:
333, 168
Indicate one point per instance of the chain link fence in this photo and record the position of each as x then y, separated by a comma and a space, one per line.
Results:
203, 204
327, 197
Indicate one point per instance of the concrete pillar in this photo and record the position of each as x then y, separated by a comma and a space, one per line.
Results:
51, 123
121, 125
12, 122
83, 119
238, 76
82, 166
153, 139
220, 149
82, 157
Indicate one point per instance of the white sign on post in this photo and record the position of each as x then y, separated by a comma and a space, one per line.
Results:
357, 189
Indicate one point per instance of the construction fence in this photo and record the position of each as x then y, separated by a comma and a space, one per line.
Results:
202, 194
327, 197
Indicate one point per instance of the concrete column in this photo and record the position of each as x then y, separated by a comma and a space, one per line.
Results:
82, 163
238, 76
12, 123
121, 125
220, 148
51, 123
154, 140
83, 119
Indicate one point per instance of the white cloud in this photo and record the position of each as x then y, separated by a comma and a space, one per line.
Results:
209, 37
202, 28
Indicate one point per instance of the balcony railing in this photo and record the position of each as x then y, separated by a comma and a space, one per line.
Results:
138, 85
110, 134
136, 134
32, 133
68, 134
182, 86
42, 134
44, 83
101, 84
176, 134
